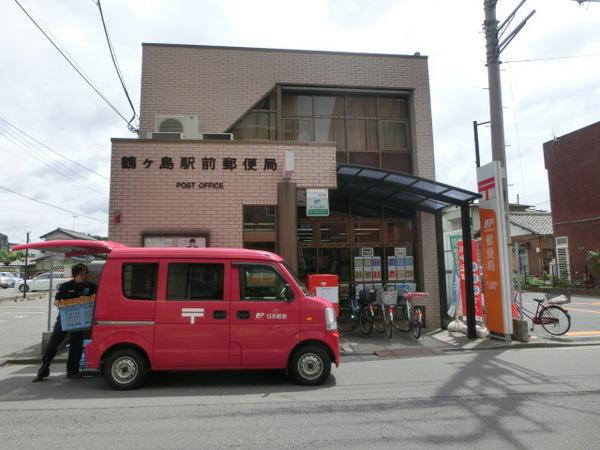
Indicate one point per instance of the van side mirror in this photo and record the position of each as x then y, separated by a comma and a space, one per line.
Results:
288, 293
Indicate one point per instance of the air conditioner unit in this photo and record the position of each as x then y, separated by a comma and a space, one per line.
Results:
186, 125
217, 136
165, 136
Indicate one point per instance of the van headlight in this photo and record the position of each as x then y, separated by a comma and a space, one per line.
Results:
330, 322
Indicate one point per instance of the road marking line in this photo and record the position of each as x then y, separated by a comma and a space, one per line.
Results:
583, 333
584, 310
20, 317
586, 304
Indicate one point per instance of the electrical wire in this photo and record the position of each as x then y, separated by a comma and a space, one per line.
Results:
41, 156
552, 58
53, 151
51, 164
51, 205
85, 77
118, 69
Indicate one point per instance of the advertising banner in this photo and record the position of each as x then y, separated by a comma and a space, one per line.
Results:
454, 293
476, 278
496, 272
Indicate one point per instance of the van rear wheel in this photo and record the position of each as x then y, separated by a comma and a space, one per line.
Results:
125, 369
310, 365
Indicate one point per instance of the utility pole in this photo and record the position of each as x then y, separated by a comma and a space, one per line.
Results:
494, 47
495, 44
25, 287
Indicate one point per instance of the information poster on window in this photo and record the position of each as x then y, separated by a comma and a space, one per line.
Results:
376, 268
391, 268
368, 268
358, 269
409, 265
400, 268
400, 252
175, 241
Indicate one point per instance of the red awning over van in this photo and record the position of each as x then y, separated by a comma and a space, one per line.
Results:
73, 247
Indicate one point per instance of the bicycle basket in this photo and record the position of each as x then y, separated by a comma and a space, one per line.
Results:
560, 300
389, 298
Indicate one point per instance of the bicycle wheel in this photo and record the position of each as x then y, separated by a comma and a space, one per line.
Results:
347, 321
416, 322
399, 317
555, 320
379, 320
389, 329
364, 321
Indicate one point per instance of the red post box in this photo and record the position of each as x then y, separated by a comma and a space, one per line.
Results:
326, 286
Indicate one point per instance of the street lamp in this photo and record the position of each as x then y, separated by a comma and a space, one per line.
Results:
25, 289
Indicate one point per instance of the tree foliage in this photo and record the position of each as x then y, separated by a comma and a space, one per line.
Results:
7, 257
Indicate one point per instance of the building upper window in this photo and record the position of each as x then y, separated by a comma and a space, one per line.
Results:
356, 123
368, 128
260, 123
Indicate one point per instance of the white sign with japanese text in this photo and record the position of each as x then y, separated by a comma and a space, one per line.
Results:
317, 203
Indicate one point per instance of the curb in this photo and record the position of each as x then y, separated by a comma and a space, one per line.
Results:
563, 343
19, 298
29, 361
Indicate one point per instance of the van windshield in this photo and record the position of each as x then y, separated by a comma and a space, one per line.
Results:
298, 282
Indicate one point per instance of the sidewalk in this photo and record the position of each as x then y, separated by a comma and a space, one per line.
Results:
18, 296
438, 341
431, 343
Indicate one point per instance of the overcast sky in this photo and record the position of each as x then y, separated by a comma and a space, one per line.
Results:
44, 97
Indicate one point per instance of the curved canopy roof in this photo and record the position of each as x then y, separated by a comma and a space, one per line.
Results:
367, 186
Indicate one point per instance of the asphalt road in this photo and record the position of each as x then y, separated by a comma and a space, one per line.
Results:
22, 324
584, 312
530, 398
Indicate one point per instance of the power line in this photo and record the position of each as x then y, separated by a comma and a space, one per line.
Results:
118, 69
51, 205
50, 163
552, 58
85, 78
53, 151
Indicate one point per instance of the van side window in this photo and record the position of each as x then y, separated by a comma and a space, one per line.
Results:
261, 283
188, 281
139, 281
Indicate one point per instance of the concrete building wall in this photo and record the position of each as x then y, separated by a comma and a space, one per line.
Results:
150, 196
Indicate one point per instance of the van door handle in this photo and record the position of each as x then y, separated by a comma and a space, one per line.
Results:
219, 314
242, 315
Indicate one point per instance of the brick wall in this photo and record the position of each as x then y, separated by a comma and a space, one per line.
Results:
573, 165
148, 200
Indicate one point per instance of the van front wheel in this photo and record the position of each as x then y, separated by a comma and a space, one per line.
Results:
310, 365
125, 369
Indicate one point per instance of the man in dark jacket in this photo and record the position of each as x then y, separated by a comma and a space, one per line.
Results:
77, 287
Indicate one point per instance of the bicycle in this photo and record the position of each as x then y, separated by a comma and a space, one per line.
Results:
354, 312
552, 317
405, 311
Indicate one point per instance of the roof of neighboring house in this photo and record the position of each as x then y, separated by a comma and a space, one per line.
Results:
70, 233
538, 222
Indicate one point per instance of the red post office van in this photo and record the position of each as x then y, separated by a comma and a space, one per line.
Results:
202, 308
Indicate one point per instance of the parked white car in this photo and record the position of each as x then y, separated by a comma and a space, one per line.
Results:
9, 280
42, 282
